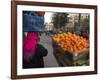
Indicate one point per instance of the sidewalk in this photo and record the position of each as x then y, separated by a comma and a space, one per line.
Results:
49, 60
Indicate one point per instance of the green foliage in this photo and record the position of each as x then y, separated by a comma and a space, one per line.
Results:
86, 22
59, 20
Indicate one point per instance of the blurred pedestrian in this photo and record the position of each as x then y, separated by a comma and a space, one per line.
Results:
33, 52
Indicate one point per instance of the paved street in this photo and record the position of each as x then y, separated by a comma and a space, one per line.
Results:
49, 60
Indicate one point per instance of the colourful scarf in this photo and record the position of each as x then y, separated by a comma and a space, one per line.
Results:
29, 45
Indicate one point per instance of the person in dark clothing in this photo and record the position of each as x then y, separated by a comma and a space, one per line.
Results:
33, 53
37, 60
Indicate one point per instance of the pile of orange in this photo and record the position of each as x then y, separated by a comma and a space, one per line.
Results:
71, 42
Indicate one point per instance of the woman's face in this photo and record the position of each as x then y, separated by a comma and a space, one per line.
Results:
40, 13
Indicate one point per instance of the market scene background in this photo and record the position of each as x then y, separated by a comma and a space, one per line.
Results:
63, 39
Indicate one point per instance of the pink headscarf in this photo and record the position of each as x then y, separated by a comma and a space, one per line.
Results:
30, 43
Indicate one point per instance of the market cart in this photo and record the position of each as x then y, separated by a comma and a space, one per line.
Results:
65, 58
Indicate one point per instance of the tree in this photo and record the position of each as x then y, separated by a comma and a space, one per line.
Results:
85, 23
59, 20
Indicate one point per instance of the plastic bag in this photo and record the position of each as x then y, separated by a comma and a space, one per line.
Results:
32, 22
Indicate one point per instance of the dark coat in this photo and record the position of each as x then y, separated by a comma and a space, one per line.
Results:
37, 60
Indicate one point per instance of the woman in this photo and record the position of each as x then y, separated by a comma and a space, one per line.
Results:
32, 51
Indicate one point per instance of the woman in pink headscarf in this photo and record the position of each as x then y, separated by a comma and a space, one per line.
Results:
33, 52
